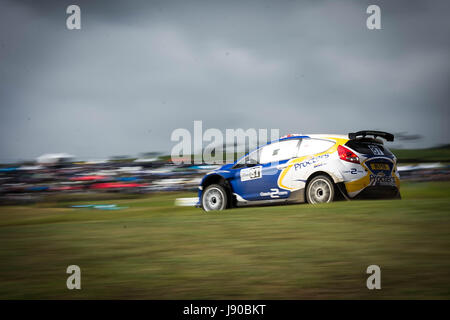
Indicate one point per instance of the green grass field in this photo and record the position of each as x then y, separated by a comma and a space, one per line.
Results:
154, 250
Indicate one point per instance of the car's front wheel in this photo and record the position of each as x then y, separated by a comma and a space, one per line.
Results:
320, 190
214, 198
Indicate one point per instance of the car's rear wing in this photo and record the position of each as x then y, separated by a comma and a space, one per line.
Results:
375, 134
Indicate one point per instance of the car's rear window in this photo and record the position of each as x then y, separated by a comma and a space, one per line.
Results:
369, 146
313, 146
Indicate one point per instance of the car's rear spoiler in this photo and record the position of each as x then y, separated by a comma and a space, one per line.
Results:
363, 133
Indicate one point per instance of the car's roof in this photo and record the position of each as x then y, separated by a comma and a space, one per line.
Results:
297, 136
320, 136
331, 135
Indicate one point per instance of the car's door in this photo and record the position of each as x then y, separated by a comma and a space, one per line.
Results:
310, 160
256, 176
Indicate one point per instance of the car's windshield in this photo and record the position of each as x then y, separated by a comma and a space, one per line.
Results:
251, 159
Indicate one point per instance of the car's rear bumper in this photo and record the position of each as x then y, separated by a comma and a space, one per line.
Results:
378, 192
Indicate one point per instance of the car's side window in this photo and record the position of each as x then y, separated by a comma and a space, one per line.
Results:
312, 146
279, 151
250, 159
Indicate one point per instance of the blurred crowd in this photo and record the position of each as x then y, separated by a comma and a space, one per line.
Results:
30, 182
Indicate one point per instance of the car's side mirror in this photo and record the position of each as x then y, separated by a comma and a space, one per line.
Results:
251, 163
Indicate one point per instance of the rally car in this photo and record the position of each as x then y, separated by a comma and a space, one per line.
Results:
305, 168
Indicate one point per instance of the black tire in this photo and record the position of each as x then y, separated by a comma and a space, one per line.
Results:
320, 190
214, 198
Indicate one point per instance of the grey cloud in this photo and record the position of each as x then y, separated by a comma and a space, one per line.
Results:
138, 70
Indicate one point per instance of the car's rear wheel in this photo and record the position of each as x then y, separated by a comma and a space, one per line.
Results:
214, 198
320, 190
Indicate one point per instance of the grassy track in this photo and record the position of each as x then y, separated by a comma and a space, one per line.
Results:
153, 250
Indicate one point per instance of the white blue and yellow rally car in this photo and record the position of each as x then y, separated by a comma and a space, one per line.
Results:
305, 168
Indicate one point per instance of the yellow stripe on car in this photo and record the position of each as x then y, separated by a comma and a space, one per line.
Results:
332, 149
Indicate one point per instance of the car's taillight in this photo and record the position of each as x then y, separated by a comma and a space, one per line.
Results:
347, 155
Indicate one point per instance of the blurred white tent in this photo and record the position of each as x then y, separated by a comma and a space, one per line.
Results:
421, 166
54, 158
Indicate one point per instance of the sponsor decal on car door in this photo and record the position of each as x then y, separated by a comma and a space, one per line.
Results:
257, 183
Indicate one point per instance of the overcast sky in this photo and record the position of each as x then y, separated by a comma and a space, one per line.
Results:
137, 70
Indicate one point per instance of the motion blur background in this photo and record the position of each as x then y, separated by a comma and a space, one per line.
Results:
86, 118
